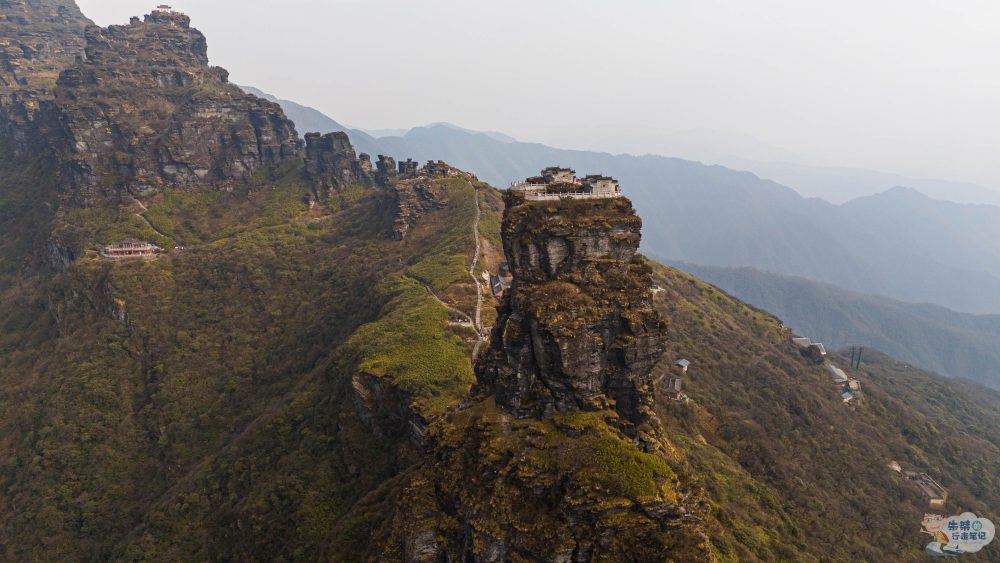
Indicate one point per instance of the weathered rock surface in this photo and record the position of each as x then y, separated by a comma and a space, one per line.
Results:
497, 488
385, 408
38, 38
558, 455
332, 163
410, 199
577, 331
410, 191
145, 110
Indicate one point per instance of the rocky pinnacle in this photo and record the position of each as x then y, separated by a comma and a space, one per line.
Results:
577, 330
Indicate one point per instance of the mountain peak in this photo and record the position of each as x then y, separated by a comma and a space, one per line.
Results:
904, 192
39, 38
169, 119
445, 126
163, 36
894, 195
578, 328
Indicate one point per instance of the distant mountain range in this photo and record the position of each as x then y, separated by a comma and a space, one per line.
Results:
838, 184
899, 243
929, 336
297, 373
306, 119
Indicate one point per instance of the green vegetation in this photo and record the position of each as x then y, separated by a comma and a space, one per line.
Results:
446, 261
789, 471
407, 344
202, 406
489, 224
347, 197
94, 227
26, 196
269, 198
552, 480
441, 270
608, 460
174, 397
626, 471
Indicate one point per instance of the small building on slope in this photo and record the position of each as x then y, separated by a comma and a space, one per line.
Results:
814, 351
130, 249
935, 494
838, 374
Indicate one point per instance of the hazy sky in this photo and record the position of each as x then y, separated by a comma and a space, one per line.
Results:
908, 86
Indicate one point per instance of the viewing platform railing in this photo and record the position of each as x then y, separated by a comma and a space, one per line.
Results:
540, 192
569, 195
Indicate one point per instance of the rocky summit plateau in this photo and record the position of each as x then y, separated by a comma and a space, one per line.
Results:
223, 338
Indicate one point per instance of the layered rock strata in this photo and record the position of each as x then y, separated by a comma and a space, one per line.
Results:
558, 456
577, 330
332, 163
38, 38
145, 110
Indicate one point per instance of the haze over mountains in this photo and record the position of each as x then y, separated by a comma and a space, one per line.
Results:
302, 363
836, 184
864, 271
898, 243
805, 174
930, 336
840, 184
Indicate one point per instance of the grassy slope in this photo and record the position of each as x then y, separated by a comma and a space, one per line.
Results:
793, 471
785, 470
935, 338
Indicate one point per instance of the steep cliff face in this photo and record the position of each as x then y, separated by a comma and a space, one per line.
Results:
38, 38
286, 387
558, 456
408, 188
332, 163
577, 330
145, 110
412, 193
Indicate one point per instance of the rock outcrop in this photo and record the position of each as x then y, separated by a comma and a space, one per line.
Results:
577, 330
410, 199
385, 408
409, 189
500, 489
38, 38
558, 455
332, 163
145, 110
